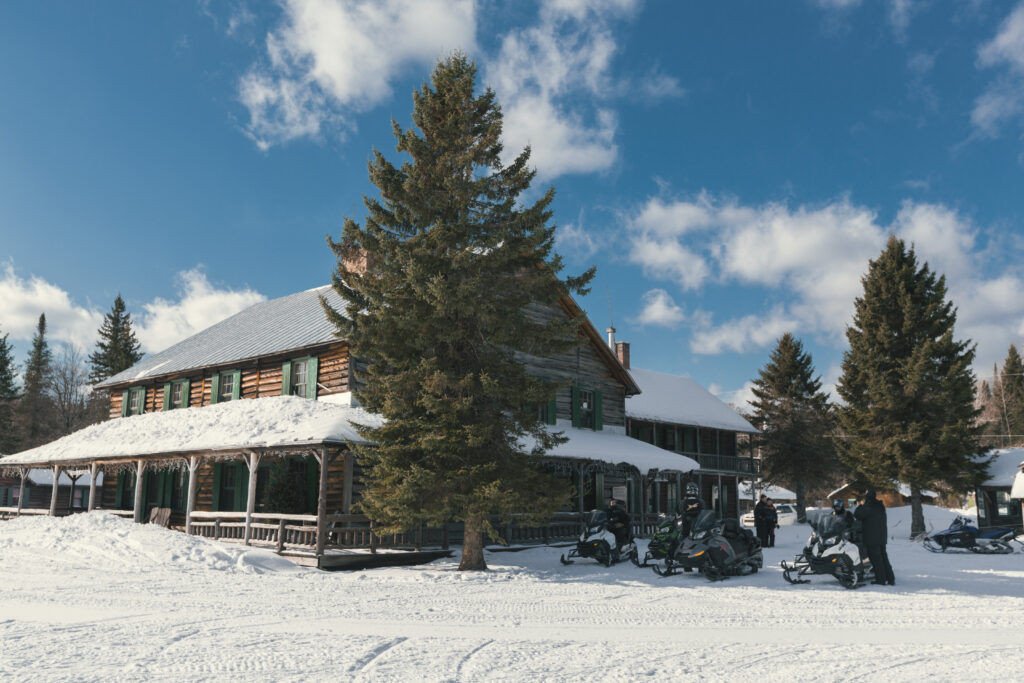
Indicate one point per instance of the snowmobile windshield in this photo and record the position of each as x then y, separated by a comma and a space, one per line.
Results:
829, 526
597, 518
706, 521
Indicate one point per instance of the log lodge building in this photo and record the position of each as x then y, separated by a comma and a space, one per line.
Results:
195, 429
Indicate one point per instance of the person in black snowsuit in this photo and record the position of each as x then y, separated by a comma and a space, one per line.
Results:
773, 522
619, 522
850, 524
875, 531
761, 520
691, 507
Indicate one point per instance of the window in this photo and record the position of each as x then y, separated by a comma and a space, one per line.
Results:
176, 394
667, 438
586, 408
298, 377
226, 386
133, 401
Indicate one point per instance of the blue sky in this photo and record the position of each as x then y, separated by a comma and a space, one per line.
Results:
729, 167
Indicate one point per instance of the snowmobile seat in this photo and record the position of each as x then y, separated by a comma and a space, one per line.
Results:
739, 538
731, 528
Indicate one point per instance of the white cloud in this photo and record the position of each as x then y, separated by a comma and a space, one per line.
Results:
200, 305
899, 14
744, 334
162, 322
22, 301
329, 59
1002, 101
836, 4
816, 256
659, 308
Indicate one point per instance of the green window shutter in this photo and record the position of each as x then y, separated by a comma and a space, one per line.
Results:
186, 393
575, 407
598, 420
167, 396
142, 399
552, 408
312, 484
311, 369
286, 378
214, 388
217, 468
119, 500
124, 407
236, 386
241, 486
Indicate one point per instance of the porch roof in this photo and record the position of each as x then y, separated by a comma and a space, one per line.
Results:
610, 447
250, 424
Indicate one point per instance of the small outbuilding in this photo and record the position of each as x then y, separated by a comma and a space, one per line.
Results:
995, 496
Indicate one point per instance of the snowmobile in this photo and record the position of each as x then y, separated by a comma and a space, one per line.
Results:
664, 542
597, 542
830, 551
962, 535
717, 549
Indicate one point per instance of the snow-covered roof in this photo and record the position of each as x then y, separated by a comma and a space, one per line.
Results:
681, 400
290, 322
773, 492
606, 446
276, 421
1004, 467
904, 490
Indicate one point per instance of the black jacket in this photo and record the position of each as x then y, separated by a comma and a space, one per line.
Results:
761, 515
617, 517
874, 527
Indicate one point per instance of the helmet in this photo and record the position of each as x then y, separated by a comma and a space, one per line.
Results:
692, 489
838, 504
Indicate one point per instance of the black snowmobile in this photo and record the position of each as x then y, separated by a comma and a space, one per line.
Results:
597, 542
830, 551
665, 540
963, 535
717, 549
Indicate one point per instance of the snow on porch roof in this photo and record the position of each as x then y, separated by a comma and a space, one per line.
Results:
681, 400
290, 322
606, 446
273, 422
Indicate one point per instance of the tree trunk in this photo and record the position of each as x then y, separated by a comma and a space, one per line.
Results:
473, 546
916, 512
801, 502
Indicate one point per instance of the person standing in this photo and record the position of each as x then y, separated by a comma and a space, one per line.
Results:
761, 520
875, 532
773, 522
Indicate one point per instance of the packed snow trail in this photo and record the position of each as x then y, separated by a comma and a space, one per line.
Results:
95, 597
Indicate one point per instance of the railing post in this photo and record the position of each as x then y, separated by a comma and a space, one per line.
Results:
216, 528
280, 536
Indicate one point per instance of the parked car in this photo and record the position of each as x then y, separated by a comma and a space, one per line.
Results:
786, 512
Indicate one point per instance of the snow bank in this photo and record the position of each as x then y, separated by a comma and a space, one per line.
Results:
250, 423
104, 541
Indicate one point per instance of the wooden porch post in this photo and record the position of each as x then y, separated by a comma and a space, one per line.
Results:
321, 503
21, 490
71, 495
346, 500
253, 461
139, 469
193, 467
53, 491
93, 470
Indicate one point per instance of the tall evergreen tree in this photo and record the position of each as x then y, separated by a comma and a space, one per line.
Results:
35, 406
438, 283
1010, 400
8, 396
795, 419
117, 348
908, 385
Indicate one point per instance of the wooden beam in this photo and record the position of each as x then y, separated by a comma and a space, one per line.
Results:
71, 495
346, 495
190, 506
93, 470
21, 489
253, 461
140, 467
321, 503
53, 491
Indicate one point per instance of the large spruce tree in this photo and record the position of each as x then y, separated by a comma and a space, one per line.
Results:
796, 421
908, 385
35, 407
438, 284
1009, 397
117, 348
8, 397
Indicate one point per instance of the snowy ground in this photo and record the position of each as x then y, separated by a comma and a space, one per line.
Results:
94, 597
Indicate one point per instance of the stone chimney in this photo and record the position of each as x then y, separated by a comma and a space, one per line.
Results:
622, 353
